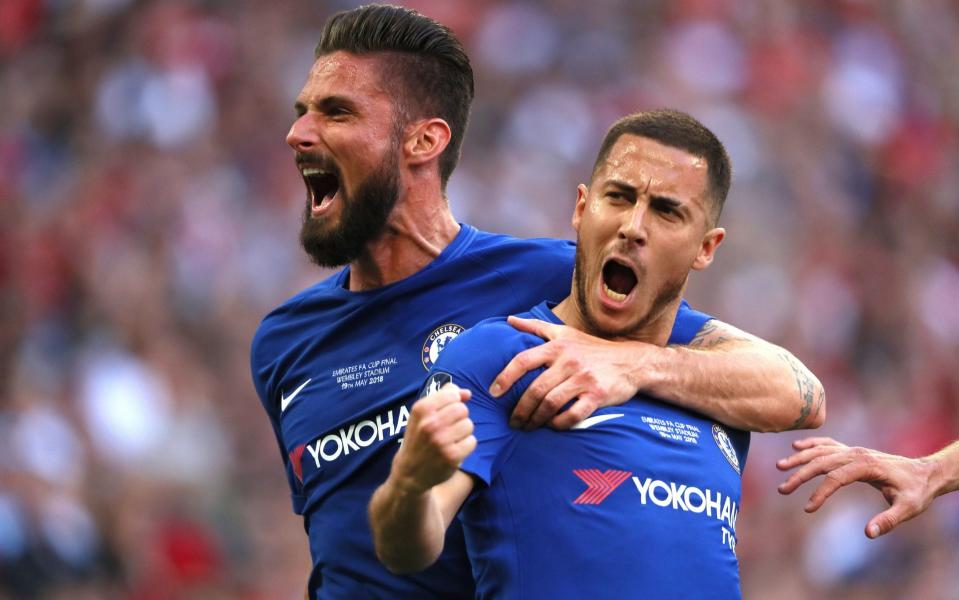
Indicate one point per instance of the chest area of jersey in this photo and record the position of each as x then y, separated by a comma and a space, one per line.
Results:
347, 392
645, 434
637, 466
639, 455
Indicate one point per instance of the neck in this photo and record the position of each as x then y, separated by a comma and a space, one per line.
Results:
655, 328
418, 230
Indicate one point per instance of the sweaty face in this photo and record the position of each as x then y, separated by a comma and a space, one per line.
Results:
642, 225
347, 142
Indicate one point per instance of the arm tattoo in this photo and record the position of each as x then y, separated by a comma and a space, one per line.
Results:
711, 335
820, 400
806, 388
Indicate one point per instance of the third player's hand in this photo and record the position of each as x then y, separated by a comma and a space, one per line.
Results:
438, 437
907, 484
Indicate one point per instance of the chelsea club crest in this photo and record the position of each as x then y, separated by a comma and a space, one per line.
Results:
436, 341
726, 447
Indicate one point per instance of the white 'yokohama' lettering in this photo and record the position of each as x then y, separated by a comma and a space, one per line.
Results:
356, 436
688, 498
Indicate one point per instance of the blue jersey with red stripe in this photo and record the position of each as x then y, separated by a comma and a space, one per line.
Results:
638, 501
337, 371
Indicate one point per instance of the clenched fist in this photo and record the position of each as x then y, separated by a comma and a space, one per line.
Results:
438, 437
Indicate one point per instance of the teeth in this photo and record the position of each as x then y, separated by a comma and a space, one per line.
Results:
613, 295
313, 172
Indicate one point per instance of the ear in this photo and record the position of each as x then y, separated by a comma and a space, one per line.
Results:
581, 193
707, 250
425, 140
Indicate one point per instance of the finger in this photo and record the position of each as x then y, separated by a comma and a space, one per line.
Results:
578, 410
809, 442
552, 403
451, 393
545, 330
454, 432
818, 466
534, 397
452, 412
805, 456
888, 519
525, 361
446, 394
836, 479
465, 447
462, 430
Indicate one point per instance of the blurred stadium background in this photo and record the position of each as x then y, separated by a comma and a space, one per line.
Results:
148, 217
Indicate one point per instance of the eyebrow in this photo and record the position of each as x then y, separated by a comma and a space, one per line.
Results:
674, 203
632, 191
623, 186
325, 104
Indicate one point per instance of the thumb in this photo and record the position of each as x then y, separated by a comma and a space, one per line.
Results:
547, 331
461, 394
886, 521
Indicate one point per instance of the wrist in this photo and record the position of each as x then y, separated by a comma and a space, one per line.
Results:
651, 369
403, 482
943, 472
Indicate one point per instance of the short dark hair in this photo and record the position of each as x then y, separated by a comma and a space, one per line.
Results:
431, 68
679, 130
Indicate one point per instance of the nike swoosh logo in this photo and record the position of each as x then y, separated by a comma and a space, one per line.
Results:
590, 421
285, 400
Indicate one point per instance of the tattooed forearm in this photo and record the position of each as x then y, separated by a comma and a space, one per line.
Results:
806, 387
711, 335
820, 401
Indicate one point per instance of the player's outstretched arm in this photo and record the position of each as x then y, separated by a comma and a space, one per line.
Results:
725, 373
909, 485
410, 512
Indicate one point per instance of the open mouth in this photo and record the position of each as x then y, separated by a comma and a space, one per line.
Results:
618, 280
322, 187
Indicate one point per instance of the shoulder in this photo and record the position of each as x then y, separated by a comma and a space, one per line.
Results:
531, 269
494, 244
689, 322
491, 339
284, 320
480, 353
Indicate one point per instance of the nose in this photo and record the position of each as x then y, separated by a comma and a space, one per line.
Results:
303, 135
633, 228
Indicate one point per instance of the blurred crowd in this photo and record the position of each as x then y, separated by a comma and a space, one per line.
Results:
148, 217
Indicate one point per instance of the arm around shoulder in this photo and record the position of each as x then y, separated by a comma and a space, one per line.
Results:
724, 373
739, 380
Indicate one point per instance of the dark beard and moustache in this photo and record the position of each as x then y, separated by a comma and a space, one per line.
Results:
363, 218
669, 292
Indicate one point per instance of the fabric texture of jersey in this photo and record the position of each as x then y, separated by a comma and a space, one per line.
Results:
640, 501
337, 371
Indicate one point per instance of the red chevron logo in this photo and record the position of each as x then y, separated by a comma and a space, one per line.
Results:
296, 457
599, 484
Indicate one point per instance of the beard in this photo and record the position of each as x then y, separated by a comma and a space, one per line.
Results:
669, 292
363, 217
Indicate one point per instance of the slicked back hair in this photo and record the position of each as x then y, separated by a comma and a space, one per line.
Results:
678, 130
428, 66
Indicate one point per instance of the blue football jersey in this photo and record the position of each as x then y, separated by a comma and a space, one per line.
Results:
637, 501
337, 372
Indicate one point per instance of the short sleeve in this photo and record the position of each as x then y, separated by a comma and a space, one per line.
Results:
688, 323
261, 371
